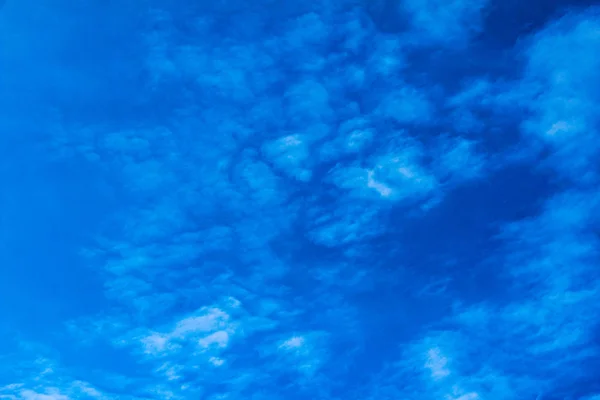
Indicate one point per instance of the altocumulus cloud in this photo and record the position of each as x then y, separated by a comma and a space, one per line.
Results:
314, 201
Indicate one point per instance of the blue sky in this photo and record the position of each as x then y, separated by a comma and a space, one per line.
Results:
349, 199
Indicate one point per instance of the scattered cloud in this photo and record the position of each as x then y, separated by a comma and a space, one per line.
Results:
445, 22
271, 181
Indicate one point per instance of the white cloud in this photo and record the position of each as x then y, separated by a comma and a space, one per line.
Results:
211, 328
291, 154
51, 394
467, 396
406, 106
155, 343
216, 361
437, 364
292, 343
458, 159
446, 22
401, 176
379, 187
562, 62
307, 102
219, 339
213, 318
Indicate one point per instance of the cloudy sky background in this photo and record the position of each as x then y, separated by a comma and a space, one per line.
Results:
372, 200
